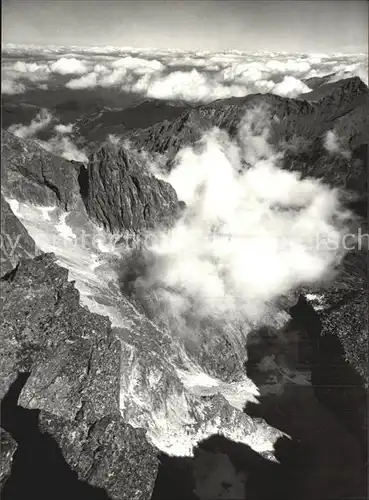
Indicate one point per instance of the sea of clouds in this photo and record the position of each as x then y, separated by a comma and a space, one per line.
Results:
172, 74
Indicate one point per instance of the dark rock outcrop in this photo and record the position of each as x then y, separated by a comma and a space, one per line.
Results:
38, 468
312, 160
16, 243
118, 191
168, 137
120, 195
73, 362
344, 310
30, 173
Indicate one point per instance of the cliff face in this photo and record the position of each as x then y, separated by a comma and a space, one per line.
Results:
116, 190
73, 362
120, 195
16, 243
30, 173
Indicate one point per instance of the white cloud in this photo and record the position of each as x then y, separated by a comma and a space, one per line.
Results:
115, 77
289, 66
194, 86
26, 71
63, 146
185, 85
333, 144
85, 82
64, 129
248, 236
231, 75
244, 71
42, 120
114, 139
11, 87
60, 144
191, 61
174, 74
343, 71
25, 67
133, 63
290, 87
100, 68
68, 66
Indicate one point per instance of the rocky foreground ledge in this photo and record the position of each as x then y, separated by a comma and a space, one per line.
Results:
68, 404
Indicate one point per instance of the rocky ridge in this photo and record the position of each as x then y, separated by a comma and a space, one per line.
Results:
30, 173
308, 117
72, 358
120, 195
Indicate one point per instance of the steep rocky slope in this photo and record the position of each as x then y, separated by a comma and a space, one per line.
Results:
16, 243
120, 195
72, 359
70, 355
30, 173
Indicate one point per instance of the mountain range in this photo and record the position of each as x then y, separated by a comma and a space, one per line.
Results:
93, 380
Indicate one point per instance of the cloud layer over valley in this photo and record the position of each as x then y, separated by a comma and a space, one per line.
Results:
251, 234
172, 74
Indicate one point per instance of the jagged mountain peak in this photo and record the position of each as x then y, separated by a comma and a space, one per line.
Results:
120, 194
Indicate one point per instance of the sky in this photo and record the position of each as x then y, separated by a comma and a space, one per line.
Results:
280, 25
